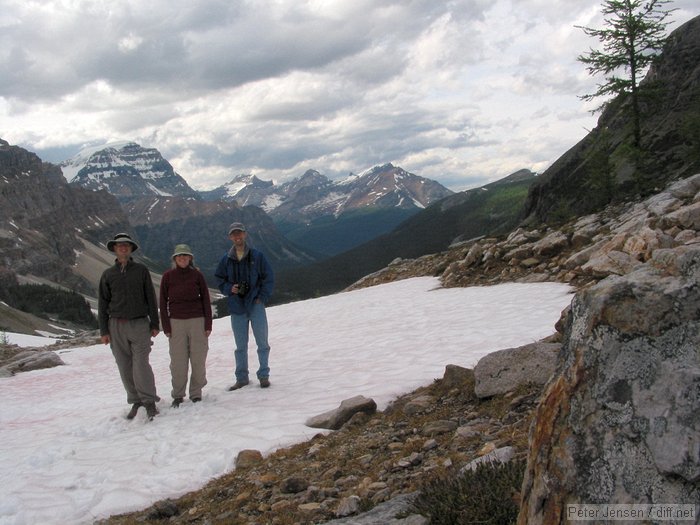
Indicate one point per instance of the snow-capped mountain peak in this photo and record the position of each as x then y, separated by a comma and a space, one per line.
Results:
72, 166
126, 170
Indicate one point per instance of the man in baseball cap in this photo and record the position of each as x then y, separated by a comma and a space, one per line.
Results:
246, 279
236, 226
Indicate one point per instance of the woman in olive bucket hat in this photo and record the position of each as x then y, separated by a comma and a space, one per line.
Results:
185, 313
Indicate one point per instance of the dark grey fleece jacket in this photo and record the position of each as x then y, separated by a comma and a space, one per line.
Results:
126, 293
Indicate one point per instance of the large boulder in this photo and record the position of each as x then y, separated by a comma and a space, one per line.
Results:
336, 418
503, 371
620, 420
30, 360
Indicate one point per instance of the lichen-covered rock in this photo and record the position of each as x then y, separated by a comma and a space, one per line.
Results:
620, 420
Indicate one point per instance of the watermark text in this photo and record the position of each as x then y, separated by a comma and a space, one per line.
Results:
631, 512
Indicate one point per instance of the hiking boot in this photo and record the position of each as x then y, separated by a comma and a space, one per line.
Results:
134, 408
264, 382
237, 385
196, 399
151, 410
176, 402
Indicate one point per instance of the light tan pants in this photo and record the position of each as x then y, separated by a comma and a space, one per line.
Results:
188, 345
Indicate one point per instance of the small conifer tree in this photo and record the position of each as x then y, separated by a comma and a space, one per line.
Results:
633, 36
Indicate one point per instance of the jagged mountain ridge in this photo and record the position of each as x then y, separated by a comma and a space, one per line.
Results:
320, 216
329, 217
314, 195
127, 171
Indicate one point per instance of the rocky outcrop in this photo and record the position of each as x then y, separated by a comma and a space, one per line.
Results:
620, 420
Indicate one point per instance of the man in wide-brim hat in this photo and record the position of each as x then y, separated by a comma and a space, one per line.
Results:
128, 317
122, 237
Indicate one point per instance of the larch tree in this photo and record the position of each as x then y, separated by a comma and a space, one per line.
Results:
634, 34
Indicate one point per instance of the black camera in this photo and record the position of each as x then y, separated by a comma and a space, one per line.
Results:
242, 289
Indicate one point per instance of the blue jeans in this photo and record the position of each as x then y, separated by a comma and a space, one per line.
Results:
257, 319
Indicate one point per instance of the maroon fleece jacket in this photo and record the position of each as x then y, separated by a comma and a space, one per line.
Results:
184, 295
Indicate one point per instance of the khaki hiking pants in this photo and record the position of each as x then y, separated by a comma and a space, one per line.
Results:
188, 346
130, 341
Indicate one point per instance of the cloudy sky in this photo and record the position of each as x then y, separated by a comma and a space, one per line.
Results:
460, 91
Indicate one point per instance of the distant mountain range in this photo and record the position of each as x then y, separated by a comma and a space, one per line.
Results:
322, 216
313, 195
329, 217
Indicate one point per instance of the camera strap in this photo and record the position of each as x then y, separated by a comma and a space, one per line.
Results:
237, 268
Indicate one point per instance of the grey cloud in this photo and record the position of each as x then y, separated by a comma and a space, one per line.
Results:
183, 45
368, 139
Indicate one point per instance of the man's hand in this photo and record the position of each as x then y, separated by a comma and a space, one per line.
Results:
154, 332
105, 339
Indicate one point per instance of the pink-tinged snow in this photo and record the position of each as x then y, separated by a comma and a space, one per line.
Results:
69, 455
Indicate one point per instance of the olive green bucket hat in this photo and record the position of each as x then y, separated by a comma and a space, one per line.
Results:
182, 249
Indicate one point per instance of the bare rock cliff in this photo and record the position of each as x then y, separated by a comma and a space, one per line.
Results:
42, 218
